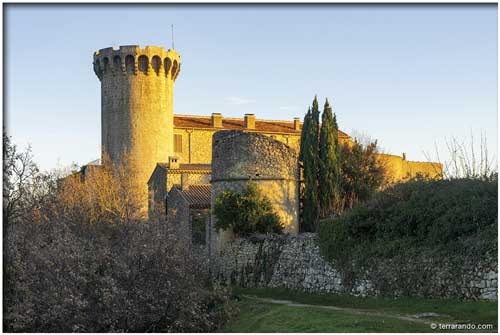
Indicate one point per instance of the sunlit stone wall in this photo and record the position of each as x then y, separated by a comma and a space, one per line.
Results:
239, 157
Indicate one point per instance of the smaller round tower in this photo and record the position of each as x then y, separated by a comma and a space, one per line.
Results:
239, 157
137, 99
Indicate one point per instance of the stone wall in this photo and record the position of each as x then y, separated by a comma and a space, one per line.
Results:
398, 168
295, 262
178, 216
197, 149
197, 143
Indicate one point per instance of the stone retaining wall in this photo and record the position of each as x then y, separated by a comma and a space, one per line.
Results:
295, 262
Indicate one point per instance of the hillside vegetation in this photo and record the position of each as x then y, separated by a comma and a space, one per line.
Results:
453, 221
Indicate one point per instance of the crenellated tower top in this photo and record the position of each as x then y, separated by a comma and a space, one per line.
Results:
134, 60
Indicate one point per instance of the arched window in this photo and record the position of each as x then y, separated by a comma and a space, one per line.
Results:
167, 64
178, 71
174, 69
156, 63
143, 64
117, 62
105, 62
129, 64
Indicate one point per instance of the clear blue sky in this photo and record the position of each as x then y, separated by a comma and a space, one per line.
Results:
407, 75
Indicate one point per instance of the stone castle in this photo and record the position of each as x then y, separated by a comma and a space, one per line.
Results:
179, 163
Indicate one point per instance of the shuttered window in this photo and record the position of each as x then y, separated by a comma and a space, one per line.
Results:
178, 143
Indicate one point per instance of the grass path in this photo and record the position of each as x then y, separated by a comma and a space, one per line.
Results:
268, 310
344, 309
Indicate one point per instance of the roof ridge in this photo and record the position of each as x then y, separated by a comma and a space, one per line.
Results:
232, 123
233, 118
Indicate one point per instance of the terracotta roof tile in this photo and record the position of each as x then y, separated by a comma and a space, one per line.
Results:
189, 121
198, 196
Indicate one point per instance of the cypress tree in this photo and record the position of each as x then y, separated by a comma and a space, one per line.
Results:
329, 162
304, 143
303, 146
338, 166
309, 156
315, 132
303, 136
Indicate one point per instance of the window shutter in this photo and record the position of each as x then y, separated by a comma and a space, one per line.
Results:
178, 143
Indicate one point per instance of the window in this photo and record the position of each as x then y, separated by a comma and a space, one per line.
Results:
130, 64
156, 63
117, 63
166, 65
178, 143
143, 64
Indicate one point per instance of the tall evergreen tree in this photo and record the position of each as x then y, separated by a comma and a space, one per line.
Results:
304, 144
329, 163
303, 136
315, 124
309, 156
338, 157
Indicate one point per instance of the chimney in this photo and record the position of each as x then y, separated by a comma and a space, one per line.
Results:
173, 162
184, 181
217, 120
249, 121
296, 123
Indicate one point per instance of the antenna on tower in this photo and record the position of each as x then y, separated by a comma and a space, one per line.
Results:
173, 36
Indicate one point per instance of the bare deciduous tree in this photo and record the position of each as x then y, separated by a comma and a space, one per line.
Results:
100, 193
466, 158
78, 262
22, 182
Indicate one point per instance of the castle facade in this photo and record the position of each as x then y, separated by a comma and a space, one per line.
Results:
170, 155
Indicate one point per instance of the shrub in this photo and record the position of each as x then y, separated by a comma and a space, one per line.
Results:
449, 219
65, 277
246, 213
362, 173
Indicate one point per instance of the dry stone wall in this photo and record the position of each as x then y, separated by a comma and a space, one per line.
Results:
295, 262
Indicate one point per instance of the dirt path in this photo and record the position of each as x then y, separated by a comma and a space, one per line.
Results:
345, 309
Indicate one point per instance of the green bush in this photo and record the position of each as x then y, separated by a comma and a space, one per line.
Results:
362, 173
452, 219
246, 213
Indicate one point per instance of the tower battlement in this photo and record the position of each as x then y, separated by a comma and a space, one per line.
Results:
134, 60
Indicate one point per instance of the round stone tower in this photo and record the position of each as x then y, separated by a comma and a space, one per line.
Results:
239, 157
137, 98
